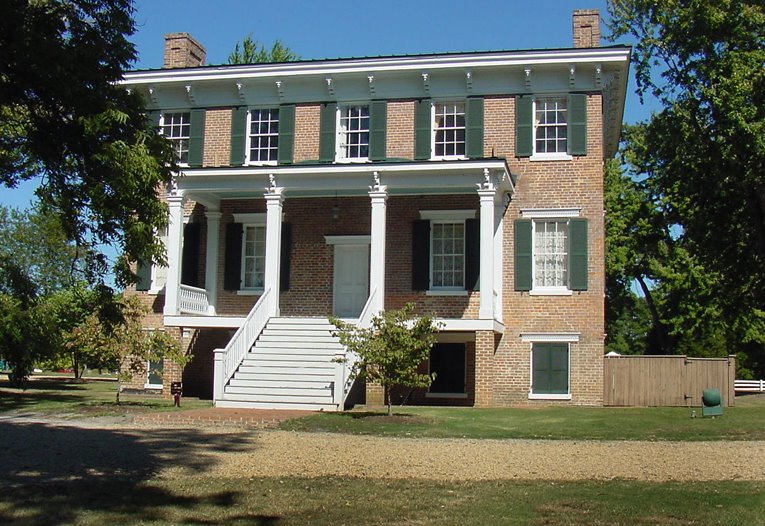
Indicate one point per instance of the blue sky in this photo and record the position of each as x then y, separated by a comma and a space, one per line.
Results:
344, 28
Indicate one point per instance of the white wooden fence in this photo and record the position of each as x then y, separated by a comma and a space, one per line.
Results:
750, 386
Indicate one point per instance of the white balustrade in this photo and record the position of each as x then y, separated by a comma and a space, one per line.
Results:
193, 300
228, 360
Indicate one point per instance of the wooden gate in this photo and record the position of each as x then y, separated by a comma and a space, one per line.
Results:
660, 381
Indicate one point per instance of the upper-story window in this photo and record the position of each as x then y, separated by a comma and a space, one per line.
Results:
353, 133
176, 126
550, 126
449, 130
263, 136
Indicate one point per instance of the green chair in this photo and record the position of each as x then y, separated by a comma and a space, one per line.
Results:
711, 403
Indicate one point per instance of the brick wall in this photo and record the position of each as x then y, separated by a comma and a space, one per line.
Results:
307, 132
400, 130
217, 143
183, 51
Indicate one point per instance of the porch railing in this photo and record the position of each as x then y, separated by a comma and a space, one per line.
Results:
343, 378
227, 360
193, 300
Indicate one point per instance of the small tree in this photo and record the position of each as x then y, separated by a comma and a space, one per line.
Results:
250, 51
391, 350
123, 347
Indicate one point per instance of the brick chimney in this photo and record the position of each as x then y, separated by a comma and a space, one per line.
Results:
183, 51
586, 28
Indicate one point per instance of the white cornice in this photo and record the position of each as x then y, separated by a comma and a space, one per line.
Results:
619, 55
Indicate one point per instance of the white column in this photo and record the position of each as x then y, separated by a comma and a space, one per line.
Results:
486, 308
174, 247
211, 265
274, 200
379, 196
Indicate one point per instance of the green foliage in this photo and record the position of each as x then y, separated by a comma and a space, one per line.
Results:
250, 51
123, 346
701, 157
391, 351
66, 121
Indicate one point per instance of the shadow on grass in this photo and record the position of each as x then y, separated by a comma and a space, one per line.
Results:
62, 475
28, 400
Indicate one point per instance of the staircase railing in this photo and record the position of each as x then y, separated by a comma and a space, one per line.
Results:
228, 360
343, 379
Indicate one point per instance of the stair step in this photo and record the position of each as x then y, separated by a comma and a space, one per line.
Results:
293, 370
297, 333
286, 383
303, 350
300, 321
319, 337
324, 394
328, 349
234, 403
277, 398
287, 359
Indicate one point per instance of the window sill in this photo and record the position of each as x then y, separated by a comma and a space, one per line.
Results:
252, 292
449, 158
551, 292
446, 293
153, 387
155, 292
456, 396
551, 157
261, 163
533, 396
352, 160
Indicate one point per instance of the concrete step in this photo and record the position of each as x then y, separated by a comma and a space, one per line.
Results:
244, 404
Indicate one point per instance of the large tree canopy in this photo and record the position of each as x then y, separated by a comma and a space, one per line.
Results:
66, 121
703, 154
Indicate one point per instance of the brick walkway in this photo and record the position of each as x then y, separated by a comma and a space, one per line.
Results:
215, 416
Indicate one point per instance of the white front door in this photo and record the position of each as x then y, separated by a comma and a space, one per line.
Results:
351, 280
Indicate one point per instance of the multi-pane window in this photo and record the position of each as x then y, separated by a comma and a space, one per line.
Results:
550, 126
264, 135
353, 132
550, 254
177, 127
449, 130
447, 255
253, 256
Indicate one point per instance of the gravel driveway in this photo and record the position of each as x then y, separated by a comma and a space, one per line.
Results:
56, 450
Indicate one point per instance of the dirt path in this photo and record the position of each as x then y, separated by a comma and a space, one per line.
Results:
50, 450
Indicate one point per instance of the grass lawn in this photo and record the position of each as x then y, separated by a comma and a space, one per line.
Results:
63, 396
746, 421
288, 501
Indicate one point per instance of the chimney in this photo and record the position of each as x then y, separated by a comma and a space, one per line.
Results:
183, 51
586, 28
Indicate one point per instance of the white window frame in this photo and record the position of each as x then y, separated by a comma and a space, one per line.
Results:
531, 339
445, 217
175, 140
548, 215
250, 135
547, 156
341, 140
434, 130
256, 220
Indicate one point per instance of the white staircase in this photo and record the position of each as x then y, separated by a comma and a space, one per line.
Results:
290, 367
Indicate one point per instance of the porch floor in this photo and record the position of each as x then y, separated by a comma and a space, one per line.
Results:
217, 416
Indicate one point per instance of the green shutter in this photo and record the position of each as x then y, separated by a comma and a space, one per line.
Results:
190, 254
577, 124
196, 137
420, 254
285, 261
238, 135
472, 254
378, 124
474, 146
143, 270
523, 254
232, 273
550, 368
286, 133
423, 122
577, 229
327, 133
524, 127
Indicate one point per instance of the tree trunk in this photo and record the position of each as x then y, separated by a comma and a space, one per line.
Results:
657, 323
387, 400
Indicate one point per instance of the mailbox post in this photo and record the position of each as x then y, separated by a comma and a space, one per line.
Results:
176, 389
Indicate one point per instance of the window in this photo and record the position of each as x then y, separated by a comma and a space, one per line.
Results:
177, 128
253, 257
550, 370
550, 254
447, 250
550, 126
449, 130
263, 136
154, 371
353, 133
447, 361
551, 251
